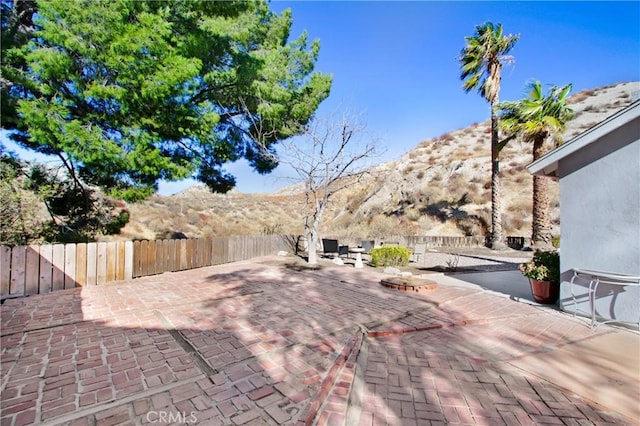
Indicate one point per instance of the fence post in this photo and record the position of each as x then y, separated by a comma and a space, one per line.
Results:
92, 263
136, 259
111, 259
5, 270
144, 258
102, 264
160, 256
171, 256
81, 264
32, 270
151, 257
120, 258
182, 250
57, 266
46, 272
18, 273
70, 260
128, 260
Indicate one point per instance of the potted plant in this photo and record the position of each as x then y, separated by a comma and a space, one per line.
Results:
544, 276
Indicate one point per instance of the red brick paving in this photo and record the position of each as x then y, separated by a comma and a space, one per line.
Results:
281, 346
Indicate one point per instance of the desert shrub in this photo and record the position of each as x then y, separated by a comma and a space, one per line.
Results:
459, 155
521, 178
383, 226
390, 256
272, 229
581, 96
512, 223
483, 197
447, 137
472, 225
356, 198
19, 222
409, 227
520, 207
456, 184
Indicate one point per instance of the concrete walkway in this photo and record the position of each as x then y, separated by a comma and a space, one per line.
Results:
270, 342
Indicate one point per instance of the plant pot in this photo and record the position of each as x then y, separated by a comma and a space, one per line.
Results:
545, 292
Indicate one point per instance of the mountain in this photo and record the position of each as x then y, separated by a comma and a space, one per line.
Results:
440, 187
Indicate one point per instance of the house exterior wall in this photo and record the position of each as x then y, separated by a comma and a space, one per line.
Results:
600, 220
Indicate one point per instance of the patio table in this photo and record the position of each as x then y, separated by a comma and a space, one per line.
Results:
358, 251
600, 277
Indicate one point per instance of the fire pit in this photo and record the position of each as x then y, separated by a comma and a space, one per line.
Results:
409, 284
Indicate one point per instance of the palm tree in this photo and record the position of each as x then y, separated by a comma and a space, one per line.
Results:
539, 118
481, 63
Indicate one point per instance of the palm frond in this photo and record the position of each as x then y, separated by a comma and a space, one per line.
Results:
482, 57
539, 115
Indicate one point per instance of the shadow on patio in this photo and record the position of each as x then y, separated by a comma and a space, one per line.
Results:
276, 343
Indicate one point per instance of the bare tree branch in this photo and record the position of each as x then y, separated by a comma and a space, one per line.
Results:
332, 154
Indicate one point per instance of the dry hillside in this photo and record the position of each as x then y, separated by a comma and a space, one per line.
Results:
441, 187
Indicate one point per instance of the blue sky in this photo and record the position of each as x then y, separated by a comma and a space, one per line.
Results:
396, 62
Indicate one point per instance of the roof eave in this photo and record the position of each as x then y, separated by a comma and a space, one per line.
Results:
547, 165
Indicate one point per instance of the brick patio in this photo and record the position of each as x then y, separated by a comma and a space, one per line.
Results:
263, 343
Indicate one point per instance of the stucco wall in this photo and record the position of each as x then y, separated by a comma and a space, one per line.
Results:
600, 220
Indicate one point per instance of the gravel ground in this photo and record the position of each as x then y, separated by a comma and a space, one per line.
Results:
453, 260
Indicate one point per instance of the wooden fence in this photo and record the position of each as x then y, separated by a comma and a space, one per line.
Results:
443, 241
156, 257
460, 242
27, 270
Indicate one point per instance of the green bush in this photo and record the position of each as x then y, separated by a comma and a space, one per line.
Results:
390, 256
555, 241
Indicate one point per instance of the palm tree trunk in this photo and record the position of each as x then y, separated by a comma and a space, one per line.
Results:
541, 226
497, 238
541, 223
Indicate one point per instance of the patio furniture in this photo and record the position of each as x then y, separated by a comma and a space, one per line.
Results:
358, 251
600, 277
367, 245
418, 251
332, 246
